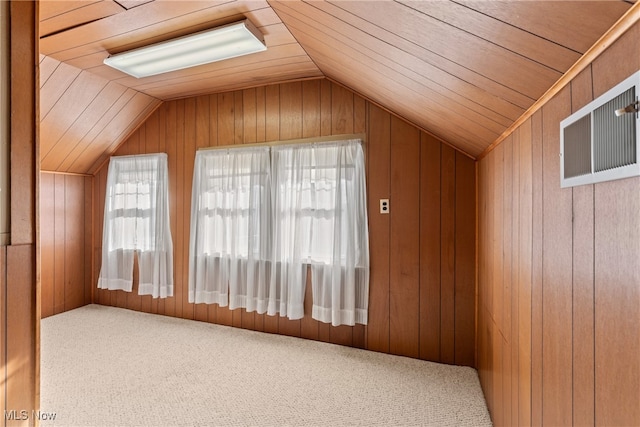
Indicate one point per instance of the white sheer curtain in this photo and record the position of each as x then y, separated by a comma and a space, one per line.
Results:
292, 228
320, 218
230, 242
136, 220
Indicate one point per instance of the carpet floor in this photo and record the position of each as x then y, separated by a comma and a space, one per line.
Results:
105, 366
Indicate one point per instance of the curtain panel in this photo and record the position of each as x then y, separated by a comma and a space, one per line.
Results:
320, 219
230, 238
136, 221
261, 215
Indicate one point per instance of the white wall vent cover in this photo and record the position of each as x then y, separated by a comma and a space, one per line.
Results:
597, 145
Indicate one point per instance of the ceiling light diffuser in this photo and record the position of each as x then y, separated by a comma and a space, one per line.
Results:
229, 41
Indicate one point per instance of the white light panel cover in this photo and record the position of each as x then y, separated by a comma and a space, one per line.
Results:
229, 41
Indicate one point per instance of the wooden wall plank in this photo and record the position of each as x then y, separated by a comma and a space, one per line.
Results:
465, 255
169, 137
291, 111
88, 240
497, 287
525, 193
308, 326
341, 110
3, 326
24, 123
189, 145
494, 286
325, 107
482, 267
73, 242
59, 254
238, 117
507, 255
430, 243
99, 188
583, 279
617, 313
404, 241
556, 273
379, 228
260, 114
360, 127
47, 244
179, 237
447, 254
536, 273
515, 285
497, 276
311, 108
21, 329
627, 62
249, 113
272, 112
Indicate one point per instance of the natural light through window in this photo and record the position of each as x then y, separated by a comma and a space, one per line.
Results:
262, 215
136, 222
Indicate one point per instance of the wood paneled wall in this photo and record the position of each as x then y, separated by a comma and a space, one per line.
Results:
65, 242
559, 273
422, 293
19, 314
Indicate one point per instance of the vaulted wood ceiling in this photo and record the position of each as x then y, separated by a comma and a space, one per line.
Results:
463, 70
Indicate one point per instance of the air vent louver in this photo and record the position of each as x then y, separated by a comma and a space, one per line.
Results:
597, 145
577, 148
614, 139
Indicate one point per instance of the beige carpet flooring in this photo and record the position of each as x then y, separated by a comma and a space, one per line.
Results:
105, 366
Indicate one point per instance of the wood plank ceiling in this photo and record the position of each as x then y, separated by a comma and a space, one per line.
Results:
463, 70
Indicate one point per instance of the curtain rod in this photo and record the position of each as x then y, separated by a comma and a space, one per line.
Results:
331, 138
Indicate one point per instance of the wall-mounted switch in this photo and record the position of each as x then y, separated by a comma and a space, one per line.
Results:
384, 206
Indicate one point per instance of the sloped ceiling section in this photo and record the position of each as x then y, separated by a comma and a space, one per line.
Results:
462, 70
76, 36
83, 116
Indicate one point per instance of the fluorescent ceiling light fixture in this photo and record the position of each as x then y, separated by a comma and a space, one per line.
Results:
228, 41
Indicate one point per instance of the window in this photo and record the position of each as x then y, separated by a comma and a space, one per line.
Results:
321, 220
261, 216
230, 228
136, 221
